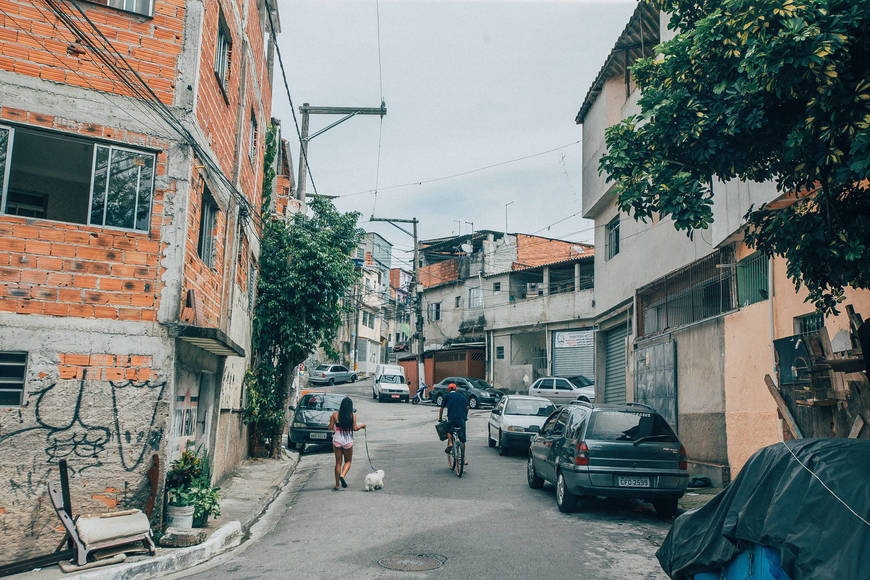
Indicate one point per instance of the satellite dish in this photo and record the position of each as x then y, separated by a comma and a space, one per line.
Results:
467, 248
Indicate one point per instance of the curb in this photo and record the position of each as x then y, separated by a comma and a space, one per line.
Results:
225, 538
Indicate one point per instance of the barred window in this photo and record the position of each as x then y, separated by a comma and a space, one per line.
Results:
611, 231
13, 366
752, 279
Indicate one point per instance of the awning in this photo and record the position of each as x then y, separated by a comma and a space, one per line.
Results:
212, 340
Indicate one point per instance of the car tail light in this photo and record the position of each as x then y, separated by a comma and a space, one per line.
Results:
582, 456
684, 464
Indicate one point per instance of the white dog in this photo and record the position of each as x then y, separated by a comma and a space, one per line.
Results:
374, 480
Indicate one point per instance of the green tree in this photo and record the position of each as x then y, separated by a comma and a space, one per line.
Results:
305, 269
759, 90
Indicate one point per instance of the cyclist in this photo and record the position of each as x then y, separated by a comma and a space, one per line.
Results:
457, 415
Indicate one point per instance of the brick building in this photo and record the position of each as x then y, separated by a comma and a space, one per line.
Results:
131, 152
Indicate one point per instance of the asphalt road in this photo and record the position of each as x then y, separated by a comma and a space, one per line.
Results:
488, 524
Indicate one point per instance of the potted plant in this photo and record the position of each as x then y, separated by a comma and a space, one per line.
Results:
206, 502
184, 472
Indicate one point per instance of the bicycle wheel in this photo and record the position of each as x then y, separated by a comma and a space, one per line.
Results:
451, 457
459, 461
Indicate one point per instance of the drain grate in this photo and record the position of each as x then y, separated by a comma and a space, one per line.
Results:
413, 563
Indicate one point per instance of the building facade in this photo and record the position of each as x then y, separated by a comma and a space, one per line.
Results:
686, 326
130, 172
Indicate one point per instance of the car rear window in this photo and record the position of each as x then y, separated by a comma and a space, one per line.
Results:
629, 426
396, 379
320, 402
530, 408
322, 368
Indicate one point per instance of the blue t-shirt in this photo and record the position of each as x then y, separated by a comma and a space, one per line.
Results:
456, 405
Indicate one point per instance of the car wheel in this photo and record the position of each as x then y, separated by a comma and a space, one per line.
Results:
331, 382
439, 399
353, 378
472, 402
374, 396
502, 448
290, 444
565, 500
301, 448
535, 482
584, 399
489, 440
666, 507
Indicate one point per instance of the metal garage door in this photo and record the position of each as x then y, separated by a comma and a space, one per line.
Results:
573, 354
655, 378
614, 365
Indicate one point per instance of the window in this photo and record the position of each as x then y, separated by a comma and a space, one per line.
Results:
563, 385
474, 297
207, 220
143, 7
611, 231
752, 279
434, 311
12, 369
361, 253
809, 323
561, 422
66, 178
252, 283
458, 301
252, 141
499, 352
496, 286
223, 54
546, 384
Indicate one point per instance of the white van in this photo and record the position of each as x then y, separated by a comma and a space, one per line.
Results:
390, 384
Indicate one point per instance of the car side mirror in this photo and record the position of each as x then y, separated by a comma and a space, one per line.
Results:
496, 412
292, 408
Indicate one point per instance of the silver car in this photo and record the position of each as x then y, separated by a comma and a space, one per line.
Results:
329, 374
515, 420
563, 391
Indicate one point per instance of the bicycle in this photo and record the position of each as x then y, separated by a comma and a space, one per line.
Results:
456, 457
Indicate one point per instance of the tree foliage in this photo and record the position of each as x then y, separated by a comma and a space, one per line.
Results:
759, 90
269, 165
305, 270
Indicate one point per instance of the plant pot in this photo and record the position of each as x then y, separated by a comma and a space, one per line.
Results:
179, 516
200, 521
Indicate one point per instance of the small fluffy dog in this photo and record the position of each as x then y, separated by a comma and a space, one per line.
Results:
374, 480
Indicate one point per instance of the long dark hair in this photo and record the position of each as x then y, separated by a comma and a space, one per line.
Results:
345, 416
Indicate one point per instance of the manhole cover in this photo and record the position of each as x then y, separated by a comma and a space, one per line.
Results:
413, 563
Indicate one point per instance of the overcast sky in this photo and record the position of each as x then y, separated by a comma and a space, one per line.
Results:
467, 84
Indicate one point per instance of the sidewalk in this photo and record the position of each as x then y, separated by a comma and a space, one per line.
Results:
697, 496
245, 496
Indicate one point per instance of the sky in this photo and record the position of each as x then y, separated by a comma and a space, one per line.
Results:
467, 85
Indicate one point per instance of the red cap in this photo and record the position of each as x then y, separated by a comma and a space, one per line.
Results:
451, 387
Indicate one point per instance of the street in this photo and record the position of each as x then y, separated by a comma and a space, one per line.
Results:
488, 524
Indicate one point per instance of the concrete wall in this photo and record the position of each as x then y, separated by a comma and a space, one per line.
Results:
97, 394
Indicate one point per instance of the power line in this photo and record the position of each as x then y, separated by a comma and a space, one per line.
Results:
462, 173
287, 89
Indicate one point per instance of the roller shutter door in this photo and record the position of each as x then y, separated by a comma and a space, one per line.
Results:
614, 365
573, 354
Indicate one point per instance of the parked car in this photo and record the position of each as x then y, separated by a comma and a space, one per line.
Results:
477, 391
390, 384
330, 374
311, 419
562, 391
515, 420
614, 450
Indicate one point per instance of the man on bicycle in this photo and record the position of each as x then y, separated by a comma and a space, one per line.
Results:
457, 415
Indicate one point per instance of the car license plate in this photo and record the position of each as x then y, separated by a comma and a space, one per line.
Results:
317, 436
395, 396
633, 481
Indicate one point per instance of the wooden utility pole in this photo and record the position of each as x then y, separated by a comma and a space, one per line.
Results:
307, 110
416, 296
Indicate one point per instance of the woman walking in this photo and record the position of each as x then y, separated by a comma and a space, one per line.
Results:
343, 423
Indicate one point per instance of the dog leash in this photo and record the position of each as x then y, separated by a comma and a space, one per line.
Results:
369, 457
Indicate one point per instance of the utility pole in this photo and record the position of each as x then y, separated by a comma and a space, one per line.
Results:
356, 327
416, 296
307, 110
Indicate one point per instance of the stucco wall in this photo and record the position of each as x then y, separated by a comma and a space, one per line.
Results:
97, 394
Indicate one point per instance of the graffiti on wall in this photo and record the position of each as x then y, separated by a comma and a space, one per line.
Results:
70, 435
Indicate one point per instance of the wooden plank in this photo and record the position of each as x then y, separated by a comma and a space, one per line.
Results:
816, 402
783, 408
856, 427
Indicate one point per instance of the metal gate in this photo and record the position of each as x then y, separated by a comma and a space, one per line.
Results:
655, 379
573, 354
614, 364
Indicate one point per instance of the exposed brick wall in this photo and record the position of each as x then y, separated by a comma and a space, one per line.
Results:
439, 273
204, 280
538, 251
34, 42
68, 269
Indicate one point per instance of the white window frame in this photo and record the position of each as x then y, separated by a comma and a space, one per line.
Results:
611, 231
123, 7
433, 311
223, 53
205, 247
4, 186
474, 297
253, 137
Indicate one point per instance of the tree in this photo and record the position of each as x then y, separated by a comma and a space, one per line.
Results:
759, 90
305, 270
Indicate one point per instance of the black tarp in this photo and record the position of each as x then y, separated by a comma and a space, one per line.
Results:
775, 502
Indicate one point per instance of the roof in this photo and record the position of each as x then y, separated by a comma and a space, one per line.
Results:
638, 39
523, 268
